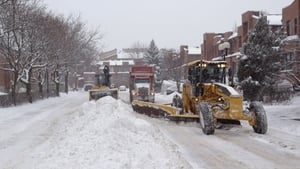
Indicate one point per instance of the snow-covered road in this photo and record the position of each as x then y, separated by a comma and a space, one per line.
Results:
238, 147
71, 132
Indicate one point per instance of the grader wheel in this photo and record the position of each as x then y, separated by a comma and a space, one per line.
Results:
206, 119
261, 125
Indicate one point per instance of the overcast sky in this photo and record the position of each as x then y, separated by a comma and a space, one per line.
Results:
170, 23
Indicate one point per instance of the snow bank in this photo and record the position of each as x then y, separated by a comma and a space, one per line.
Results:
164, 98
105, 134
285, 117
169, 85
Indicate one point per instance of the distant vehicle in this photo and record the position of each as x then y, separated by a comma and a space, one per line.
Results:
141, 85
122, 88
102, 86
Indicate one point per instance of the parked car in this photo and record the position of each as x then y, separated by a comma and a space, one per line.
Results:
122, 88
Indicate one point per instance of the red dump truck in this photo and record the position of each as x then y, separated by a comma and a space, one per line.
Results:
141, 84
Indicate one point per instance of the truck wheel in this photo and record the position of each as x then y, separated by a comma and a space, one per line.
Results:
261, 123
206, 119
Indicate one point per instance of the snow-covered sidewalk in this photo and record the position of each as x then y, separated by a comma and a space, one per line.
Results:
102, 134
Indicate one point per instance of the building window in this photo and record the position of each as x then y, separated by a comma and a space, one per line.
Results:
295, 26
288, 28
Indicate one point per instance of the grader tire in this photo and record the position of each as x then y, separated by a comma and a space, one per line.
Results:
206, 119
261, 125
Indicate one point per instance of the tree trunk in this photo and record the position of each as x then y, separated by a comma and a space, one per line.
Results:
28, 87
56, 81
66, 82
13, 89
47, 82
41, 90
28, 92
57, 89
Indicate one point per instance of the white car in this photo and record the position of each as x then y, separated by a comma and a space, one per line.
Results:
122, 88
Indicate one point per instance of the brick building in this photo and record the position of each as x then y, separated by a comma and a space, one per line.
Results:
188, 54
290, 20
175, 62
212, 41
5, 76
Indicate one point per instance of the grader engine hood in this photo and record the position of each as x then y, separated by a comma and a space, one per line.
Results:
227, 90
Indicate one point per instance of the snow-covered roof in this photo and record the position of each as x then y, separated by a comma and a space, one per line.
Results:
1, 93
89, 73
116, 62
291, 38
194, 50
130, 55
274, 19
236, 54
255, 17
235, 34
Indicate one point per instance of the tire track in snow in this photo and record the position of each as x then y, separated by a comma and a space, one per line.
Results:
238, 147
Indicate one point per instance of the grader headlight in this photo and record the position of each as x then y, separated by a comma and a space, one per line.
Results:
196, 99
222, 65
202, 65
222, 102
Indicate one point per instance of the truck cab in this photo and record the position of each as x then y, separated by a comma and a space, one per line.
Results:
141, 85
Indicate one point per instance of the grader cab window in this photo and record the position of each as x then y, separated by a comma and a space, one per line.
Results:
210, 73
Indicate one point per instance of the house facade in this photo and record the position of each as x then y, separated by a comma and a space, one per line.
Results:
5, 76
236, 39
291, 61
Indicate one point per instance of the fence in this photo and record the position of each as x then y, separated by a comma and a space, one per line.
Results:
6, 100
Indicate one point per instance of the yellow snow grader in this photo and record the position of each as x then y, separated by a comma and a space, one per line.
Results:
102, 87
207, 98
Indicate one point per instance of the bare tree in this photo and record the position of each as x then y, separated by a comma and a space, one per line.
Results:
2, 2
12, 24
36, 42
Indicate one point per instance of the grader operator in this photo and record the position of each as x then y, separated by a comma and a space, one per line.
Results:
206, 97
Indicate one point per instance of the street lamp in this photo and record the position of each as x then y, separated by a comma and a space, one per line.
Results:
224, 47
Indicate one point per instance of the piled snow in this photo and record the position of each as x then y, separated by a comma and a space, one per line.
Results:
1, 93
285, 118
169, 85
164, 98
105, 134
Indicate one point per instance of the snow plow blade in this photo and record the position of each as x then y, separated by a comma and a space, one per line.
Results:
173, 113
162, 111
95, 94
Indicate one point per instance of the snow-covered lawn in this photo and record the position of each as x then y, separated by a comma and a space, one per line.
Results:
285, 117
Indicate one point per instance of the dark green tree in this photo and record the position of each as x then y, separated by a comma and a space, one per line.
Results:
152, 54
260, 61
